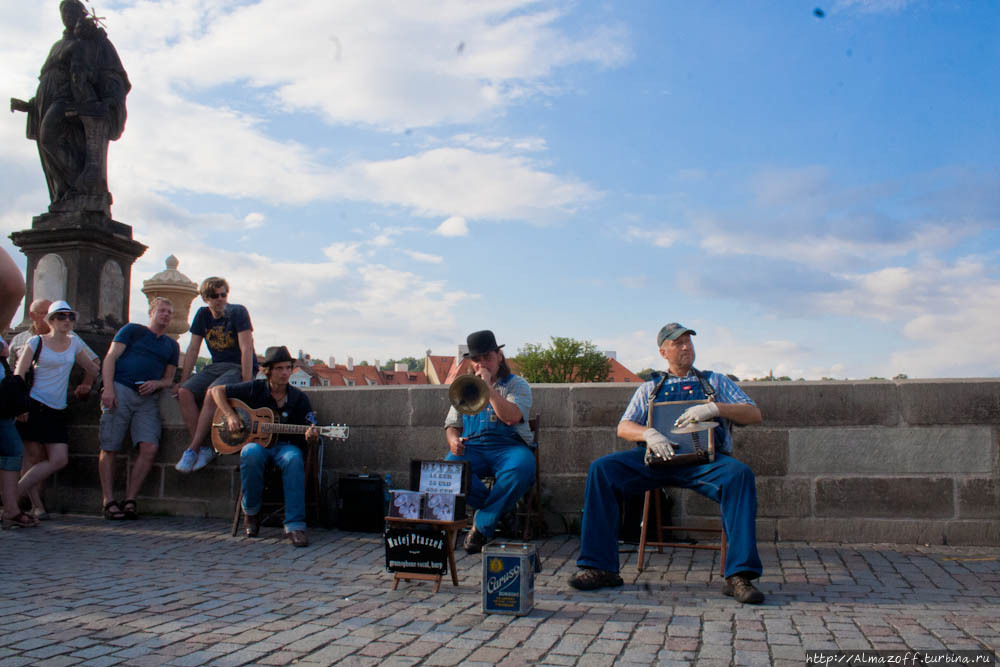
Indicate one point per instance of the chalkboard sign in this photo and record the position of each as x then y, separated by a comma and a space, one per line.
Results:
418, 549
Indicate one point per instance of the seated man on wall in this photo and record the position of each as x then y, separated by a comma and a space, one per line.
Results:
140, 362
226, 329
496, 441
290, 406
726, 480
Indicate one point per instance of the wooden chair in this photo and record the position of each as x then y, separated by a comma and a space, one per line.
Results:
273, 503
652, 501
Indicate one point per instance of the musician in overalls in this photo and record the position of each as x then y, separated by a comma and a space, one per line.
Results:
290, 406
725, 480
496, 441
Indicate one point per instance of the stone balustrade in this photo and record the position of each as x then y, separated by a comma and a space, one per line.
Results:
912, 461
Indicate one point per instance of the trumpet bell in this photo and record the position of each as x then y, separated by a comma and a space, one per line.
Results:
469, 394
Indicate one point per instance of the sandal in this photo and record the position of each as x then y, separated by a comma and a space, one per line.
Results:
130, 509
19, 520
115, 514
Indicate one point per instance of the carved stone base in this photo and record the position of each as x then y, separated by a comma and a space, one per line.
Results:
85, 258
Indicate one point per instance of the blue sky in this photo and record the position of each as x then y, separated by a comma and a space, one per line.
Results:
815, 196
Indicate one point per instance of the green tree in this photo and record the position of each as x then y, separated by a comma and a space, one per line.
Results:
565, 360
412, 364
646, 374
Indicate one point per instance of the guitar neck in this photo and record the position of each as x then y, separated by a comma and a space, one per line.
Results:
293, 429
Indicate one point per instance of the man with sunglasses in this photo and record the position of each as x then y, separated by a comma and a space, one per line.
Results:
226, 329
496, 441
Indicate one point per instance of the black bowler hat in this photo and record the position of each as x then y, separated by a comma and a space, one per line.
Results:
275, 355
481, 342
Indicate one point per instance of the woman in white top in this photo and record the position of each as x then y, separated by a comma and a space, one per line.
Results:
45, 422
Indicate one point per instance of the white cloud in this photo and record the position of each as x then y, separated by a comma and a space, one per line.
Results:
424, 257
254, 220
453, 226
661, 238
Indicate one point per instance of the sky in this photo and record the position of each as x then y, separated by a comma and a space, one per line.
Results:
814, 192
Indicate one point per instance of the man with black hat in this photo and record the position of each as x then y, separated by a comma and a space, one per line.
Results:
496, 441
290, 406
725, 480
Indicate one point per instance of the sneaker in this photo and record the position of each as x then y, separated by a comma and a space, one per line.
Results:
474, 541
740, 588
186, 464
205, 456
590, 578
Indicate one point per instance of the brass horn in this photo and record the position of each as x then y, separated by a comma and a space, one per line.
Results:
469, 394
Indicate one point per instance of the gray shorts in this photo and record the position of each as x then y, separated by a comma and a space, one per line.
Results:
224, 372
142, 413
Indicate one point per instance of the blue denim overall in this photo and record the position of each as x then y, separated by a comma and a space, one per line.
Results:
494, 448
726, 480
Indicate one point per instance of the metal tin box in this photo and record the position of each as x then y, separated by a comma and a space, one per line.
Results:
509, 578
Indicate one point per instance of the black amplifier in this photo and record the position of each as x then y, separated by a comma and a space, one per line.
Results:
361, 503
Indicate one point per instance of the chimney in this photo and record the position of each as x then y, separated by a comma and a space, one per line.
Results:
378, 365
401, 367
350, 363
462, 351
300, 353
333, 362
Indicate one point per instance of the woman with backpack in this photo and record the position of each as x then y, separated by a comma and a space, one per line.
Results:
52, 357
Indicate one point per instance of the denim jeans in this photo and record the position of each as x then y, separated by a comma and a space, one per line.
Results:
513, 469
289, 459
726, 480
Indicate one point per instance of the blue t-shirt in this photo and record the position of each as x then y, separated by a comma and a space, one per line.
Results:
146, 355
222, 334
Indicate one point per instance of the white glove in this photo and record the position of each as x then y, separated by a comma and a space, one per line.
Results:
657, 445
698, 413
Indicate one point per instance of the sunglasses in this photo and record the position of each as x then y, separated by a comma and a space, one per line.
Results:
65, 316
217, 295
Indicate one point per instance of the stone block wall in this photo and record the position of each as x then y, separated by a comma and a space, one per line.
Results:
913, 461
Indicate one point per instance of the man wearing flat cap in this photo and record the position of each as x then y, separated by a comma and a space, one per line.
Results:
725, 480
496, 441
290, 405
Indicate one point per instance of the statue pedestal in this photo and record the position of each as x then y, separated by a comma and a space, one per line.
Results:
85, 258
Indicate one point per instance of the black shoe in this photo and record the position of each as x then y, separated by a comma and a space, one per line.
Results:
740, 588
590, 578
251, 524
474, 541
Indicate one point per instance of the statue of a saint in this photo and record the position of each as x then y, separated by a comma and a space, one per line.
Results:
79, 107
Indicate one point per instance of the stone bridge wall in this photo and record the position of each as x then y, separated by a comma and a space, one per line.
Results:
914, 461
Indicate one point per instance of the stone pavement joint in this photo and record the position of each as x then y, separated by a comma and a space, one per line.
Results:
173, 591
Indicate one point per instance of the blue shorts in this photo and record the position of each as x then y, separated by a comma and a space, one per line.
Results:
11, 448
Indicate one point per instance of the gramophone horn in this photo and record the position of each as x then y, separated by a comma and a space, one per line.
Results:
469, 394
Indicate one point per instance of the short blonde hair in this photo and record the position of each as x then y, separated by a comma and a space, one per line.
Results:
160, 299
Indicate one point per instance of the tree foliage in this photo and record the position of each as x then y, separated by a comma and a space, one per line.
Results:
412, 364
565, 360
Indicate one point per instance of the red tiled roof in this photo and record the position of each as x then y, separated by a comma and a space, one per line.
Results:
338, 375
439, 367
404, 377
621, 374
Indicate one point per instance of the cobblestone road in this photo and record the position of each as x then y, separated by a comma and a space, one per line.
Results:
167, 591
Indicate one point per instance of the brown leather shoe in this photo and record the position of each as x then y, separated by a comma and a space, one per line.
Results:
298, 538
738, 586
251, 524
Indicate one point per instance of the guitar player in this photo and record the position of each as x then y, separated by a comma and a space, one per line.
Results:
290, 406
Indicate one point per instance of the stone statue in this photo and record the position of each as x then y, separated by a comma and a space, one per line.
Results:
78, 108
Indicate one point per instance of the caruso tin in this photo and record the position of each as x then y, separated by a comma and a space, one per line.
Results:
508, 578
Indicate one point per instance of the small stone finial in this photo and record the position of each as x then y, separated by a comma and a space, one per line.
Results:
177, 287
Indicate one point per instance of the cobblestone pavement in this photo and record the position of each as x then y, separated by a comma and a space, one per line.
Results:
169, 591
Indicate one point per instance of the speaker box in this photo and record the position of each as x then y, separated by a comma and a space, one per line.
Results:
361, 503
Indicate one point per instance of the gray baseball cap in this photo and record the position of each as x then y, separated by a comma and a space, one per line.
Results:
673, 331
